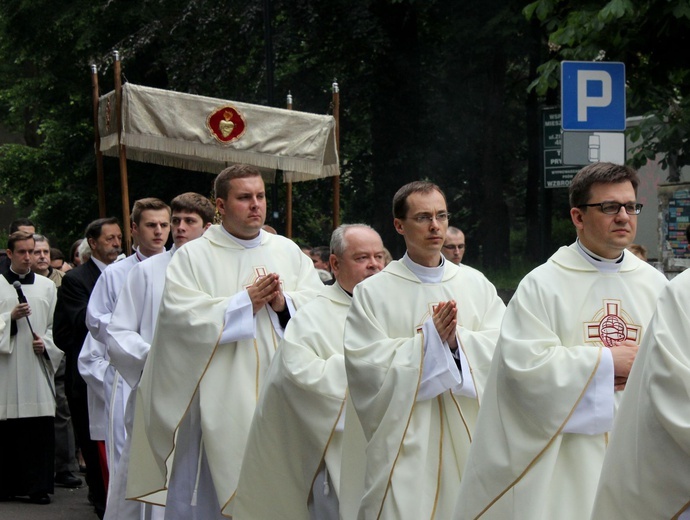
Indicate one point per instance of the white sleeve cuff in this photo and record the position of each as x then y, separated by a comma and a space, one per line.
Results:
239, 319
439, 373
274, 316
467, 388
594, 413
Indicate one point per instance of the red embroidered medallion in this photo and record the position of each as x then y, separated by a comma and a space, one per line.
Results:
226, 124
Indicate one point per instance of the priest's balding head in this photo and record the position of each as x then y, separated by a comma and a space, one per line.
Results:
357, 253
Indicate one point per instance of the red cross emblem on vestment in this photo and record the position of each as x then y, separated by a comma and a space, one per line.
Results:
611, 325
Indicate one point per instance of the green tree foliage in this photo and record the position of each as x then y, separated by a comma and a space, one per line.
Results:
433, 90
650, 37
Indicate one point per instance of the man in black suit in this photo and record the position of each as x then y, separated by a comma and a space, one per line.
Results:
69, 330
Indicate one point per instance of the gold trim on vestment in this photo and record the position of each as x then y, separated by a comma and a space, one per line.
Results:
681, 511
409, 419
323, 456
174, 436
548, 444
439, 400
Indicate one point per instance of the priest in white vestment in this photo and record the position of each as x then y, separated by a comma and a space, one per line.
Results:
418, 343
150, 229
295, 441
130, 333
28, 361
646, 470
567, 344
227, 298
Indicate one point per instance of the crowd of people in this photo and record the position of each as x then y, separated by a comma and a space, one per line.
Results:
240, 376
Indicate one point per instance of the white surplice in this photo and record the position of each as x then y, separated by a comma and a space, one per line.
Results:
543, 428
646, 471
94, 361
415, 408
130, 332
207, 360
26, 380
294, 427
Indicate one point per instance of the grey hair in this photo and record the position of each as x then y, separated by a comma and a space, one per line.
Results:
338, 244
84, 251
40, 238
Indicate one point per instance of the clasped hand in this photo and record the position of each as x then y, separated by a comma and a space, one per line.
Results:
624, 354
446, 320
267, 290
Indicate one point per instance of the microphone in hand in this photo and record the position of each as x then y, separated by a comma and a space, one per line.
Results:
22, 299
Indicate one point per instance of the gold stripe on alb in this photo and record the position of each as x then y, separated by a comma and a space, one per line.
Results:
548, 444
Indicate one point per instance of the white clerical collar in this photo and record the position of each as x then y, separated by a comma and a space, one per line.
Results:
425, 274
172, 250
249, 244
19, 275
603, 265
101, 265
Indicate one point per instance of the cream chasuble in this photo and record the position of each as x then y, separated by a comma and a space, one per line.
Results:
415, 447
549, 360
187, 357
646, 471
294, 426
26, 387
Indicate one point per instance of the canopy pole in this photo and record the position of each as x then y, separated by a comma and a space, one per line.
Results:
336, 178
124, 184
97, 140
288, 195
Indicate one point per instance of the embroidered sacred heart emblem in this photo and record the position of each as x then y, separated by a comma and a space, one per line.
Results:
226, 124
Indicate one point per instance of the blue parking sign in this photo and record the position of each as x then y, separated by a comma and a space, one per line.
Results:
593, 96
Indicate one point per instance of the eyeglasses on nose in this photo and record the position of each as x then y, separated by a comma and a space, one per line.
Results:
612, 208
426, 218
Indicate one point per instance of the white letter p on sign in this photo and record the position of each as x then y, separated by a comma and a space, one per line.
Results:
583, 100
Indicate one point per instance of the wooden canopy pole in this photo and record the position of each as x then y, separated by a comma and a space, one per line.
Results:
97, 140
123, 157
288, 202
336, 178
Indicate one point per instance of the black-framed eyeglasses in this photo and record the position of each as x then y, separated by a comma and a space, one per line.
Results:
612, 208
426, 218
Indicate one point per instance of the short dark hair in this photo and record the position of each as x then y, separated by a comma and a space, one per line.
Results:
146, 204
221, 186
16, 224
603, 172
323, 252
194, 203
94, 229
18, 236
400, 206
56, 254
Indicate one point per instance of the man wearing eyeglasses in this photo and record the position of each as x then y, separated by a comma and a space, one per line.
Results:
566, 347
454, 246
418, 340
